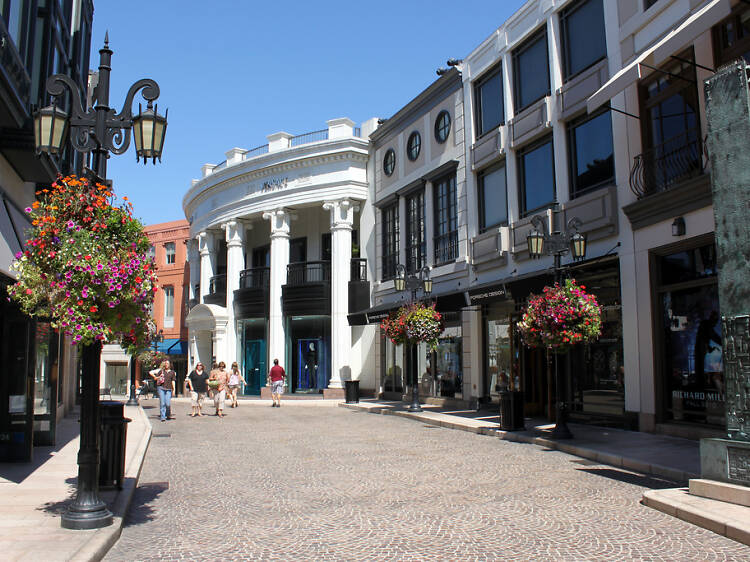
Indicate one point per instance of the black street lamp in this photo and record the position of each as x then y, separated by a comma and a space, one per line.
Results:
97, 130
541, 242
413, 283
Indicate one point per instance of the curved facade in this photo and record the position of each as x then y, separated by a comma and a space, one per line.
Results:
275, 260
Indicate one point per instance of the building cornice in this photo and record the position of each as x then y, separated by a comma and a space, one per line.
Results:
258, 168
435, 92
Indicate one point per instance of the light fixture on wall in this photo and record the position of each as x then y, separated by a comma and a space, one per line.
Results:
454, 62
678, 227
440, 71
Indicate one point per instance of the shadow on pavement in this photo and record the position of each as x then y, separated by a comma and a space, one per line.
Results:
140, 509
59, 507
651, 482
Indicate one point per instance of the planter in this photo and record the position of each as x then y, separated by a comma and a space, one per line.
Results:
511, 410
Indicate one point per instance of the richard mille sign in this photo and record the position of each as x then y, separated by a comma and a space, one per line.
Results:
274, 184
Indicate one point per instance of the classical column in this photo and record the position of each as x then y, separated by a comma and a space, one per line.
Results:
342, 219
279, 219
208, 259
195, 269
235, 236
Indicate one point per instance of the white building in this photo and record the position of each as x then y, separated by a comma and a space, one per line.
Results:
275, 245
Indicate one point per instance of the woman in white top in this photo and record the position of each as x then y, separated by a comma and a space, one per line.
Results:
234, 383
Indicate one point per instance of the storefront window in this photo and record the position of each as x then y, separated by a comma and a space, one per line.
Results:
502, 370
693, 368
309, 345
597, 368
392, 367
447, 381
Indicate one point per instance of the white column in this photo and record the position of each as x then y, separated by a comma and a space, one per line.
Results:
208, 259
279, 219
195, 269
342, 219
194, 355
235, 236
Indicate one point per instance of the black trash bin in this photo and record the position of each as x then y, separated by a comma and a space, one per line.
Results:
113, 429
511, 410
352, 392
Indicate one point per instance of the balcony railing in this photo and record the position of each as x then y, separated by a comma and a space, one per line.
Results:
662, 167
314, 136
359, 269
255, 278
446, 247
307, 272
217, 285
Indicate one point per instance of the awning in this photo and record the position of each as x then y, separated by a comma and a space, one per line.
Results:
445, 302
704, 19
172, 346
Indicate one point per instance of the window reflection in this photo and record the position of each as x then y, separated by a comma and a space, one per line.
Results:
531, 71
537, 177
592, 155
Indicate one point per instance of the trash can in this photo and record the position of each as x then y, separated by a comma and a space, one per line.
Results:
511, 410
113, 429
352, 392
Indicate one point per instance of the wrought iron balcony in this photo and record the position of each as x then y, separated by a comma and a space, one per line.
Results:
217, 290
255, 278
662, 167
308, 272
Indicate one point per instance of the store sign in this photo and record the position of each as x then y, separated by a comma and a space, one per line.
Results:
479, 296
377, 317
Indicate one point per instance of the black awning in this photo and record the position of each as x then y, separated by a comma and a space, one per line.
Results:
374, 314
450, 302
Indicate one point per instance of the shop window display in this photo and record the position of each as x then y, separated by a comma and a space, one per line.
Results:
448, 379
693, 369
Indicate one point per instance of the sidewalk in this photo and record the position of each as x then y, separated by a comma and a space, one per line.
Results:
669, 457
32, 497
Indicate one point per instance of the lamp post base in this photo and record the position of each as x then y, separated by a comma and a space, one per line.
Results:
132, 401
82, 517
414, 407
561, 430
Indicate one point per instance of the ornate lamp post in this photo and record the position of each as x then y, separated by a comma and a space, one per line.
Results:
413, 283
98, 130
541, 242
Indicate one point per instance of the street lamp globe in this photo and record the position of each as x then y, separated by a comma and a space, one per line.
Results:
149, 129
50, 127
399, 282
535, 243
578, 246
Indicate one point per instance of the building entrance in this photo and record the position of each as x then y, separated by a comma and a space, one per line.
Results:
255, 366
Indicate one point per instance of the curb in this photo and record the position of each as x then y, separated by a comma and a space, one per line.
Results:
103, 539
517, 437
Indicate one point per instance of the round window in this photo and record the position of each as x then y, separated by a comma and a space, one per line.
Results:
389, 162
413, 145
442, 126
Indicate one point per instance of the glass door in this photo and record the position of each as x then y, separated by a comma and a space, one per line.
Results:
255, 366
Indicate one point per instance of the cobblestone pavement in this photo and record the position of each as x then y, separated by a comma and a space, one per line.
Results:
326, 483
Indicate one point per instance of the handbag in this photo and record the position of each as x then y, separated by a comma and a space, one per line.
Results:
160, 378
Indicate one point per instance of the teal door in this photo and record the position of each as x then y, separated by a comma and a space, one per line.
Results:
255, 366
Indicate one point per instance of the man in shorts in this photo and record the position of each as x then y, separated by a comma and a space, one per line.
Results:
277, 376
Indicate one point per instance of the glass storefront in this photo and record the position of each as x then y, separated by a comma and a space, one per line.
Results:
46, 373
692, 366
391, 368
447, 381
598, 370
308, 353
503, 359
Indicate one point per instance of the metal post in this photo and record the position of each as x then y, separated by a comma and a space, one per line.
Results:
132, 401
88, 511
414, 354
561, 430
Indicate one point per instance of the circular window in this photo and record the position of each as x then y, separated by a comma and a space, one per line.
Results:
389, 162
413, 145
442, 126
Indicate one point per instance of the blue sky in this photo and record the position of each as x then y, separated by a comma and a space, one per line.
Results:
233, 72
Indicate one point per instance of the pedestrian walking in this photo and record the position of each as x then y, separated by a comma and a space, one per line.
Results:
277, 376
234, 384
197, 384
220, 379
165, 379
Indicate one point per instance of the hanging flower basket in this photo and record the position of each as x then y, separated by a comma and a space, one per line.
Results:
561, 317
152, 359
415, 323
86, 267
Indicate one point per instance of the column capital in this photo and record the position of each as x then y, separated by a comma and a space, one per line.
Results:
235, 233
280, 222
205, 241
342, 213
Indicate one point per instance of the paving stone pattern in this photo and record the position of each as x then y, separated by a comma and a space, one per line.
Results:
311, 483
